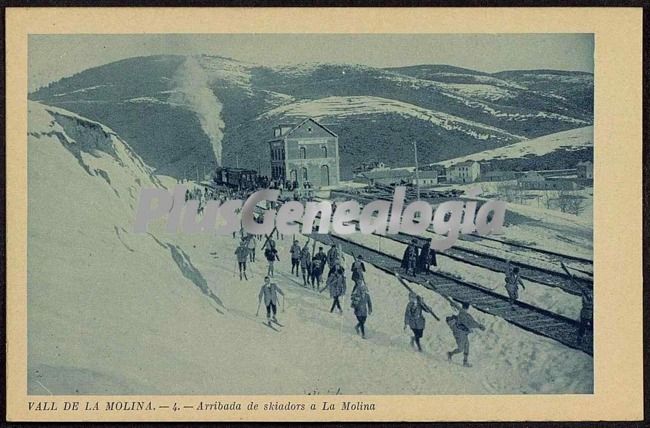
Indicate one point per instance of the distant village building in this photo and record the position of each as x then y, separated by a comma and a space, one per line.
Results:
533, 180
585, 170
499, 176
369, 166
425, 178
385, 176
464, 172
305, 153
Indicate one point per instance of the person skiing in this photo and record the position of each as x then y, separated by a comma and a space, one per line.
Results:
242, 256
305, 263
362, 306
271, 255
269, 292
251, 245
410, 257
336, 284
587, 310
332, 256
513, 281
295, 257
317, 267
358, 268
461, 326
414, 318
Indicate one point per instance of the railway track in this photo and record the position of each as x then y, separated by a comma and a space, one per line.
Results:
523, 315
495, 263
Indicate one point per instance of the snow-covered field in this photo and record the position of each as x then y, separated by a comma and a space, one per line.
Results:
352, 106
573, 139
113, 312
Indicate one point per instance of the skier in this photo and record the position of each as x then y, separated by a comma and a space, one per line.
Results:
305, 263
414, 318
332, 256
317, 268
271, 255
587, 310
358, 268
362, 306
410, 257
242, 255
251, 247
295, 257
269, 292
513, 281
461, 326
336, 284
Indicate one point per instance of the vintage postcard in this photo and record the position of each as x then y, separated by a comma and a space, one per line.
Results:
324, 214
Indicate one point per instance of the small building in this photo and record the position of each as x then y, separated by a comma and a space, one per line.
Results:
585, 170
533, 180
464, 172
386, 177
498, 176
306, 153
369, 166
425, 178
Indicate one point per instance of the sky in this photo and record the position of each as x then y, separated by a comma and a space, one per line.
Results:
52, 57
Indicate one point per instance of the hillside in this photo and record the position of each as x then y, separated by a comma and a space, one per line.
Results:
555, 151
111, 312
179, 112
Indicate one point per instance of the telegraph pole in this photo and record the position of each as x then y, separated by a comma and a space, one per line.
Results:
417, 175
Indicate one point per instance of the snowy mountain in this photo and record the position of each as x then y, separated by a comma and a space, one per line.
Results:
178, 112
555, 151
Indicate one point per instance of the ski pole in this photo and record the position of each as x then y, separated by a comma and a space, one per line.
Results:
282, 303
258, 308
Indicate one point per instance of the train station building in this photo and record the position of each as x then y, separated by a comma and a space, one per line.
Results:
305, 153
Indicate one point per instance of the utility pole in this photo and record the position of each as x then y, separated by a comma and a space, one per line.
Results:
417, 175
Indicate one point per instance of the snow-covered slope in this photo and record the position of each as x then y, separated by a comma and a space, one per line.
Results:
181, 112
112, 312
575, 139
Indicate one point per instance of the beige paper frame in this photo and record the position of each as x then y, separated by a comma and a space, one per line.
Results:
618, 346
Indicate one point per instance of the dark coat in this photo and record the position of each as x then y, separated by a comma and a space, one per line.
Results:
336, 285
364, 304
358, 268
410, 256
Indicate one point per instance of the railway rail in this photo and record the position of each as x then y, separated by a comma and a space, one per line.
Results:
529, 271
528, 317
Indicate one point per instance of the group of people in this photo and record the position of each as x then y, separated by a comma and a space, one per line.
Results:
418, 260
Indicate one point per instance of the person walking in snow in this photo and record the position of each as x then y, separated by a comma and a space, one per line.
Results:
317, 267
295, 257
410, 257
269, 292
461, 326
251, 245
336, 284
305, 263
242, 256
332, 256
271, 255
414, 318
513, 281
362, 306
358, 269
587, 310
